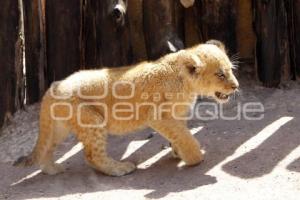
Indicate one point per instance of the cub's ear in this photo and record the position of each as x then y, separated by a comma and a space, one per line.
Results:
190, 61
218, 44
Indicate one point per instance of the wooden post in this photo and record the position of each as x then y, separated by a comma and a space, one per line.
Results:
136, 27
217, 20
244, 30
272, 47
106, 33
161, 28
63, 38
296, 6
35, 51
293, 11
192, 31
10, 58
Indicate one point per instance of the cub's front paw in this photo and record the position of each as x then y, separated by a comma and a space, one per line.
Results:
194, 158
121, 169
53, 169
189, 152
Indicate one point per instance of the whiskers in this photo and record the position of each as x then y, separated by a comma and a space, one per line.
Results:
237, 94
235, 60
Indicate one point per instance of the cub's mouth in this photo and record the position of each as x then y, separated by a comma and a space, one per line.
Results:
221, 96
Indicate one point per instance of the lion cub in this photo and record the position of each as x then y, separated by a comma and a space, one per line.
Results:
95, 103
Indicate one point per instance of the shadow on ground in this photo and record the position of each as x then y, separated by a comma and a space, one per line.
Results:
295, 166
264, 158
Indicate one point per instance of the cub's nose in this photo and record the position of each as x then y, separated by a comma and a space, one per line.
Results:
234, 86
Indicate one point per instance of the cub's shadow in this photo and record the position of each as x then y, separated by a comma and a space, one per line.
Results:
161, 178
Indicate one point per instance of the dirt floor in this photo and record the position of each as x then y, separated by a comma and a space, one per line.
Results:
244, 159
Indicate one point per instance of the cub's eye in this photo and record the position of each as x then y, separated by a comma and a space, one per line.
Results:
221, 75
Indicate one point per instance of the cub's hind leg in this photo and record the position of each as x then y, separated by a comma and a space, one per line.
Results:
52, 132
94, 139
49, 138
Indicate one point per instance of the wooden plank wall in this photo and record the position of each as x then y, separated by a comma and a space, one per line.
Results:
83, 34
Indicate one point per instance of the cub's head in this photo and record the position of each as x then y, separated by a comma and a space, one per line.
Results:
209, 70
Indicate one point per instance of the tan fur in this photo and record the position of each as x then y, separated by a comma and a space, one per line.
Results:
191, 71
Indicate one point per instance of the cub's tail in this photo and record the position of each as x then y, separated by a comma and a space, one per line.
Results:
25, 161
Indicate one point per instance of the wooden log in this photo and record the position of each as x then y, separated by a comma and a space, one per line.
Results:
19, 80
272, 47
192, 32
160, 28
35, 51
296, 7
10, 58
293, 11
136, 27
106, 33
179, 19
63, 38
217, 20
244, 30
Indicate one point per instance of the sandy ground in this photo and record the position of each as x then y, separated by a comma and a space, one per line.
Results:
244, 159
